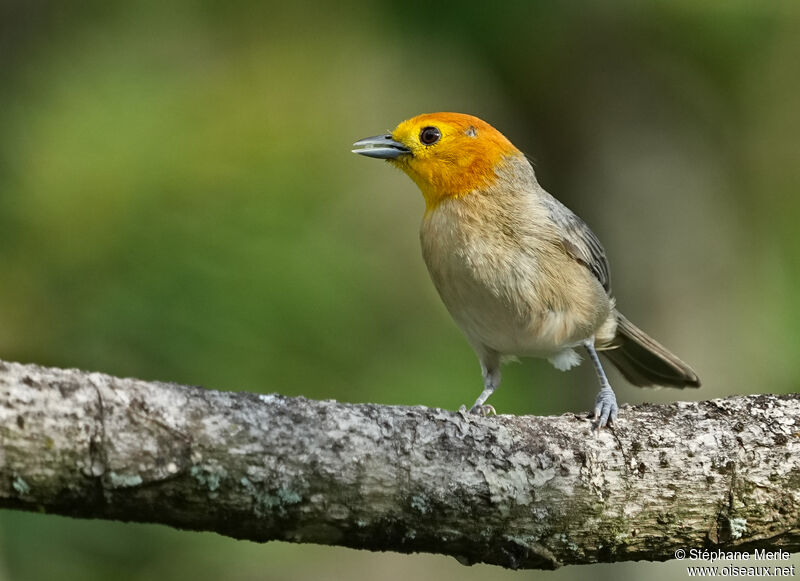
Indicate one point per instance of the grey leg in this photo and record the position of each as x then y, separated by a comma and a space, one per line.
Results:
490, 368
605, 406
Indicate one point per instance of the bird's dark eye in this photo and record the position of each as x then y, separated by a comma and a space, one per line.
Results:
430, 135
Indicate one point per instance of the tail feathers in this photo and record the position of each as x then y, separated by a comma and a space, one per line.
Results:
643, 361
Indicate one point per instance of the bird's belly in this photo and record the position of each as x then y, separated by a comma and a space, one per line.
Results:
501, 327
516, 297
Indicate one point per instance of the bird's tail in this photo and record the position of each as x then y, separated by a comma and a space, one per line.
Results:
643, 361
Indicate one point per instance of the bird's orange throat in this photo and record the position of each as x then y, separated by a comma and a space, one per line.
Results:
455, 177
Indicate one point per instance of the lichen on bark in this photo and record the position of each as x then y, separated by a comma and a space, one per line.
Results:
532, 492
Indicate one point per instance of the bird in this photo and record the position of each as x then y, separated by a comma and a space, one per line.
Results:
519, 272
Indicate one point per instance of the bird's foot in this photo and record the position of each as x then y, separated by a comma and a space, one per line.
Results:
605, 408
483, 410
480, 410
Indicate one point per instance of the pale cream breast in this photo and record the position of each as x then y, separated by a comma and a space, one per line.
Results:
503, 274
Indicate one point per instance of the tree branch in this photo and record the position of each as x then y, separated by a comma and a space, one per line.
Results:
532, 492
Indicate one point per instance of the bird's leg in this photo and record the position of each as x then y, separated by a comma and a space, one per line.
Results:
605, 406
490, 368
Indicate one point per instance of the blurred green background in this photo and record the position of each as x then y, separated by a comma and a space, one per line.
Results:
178, 201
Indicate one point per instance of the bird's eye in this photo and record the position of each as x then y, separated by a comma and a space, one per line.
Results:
430, 135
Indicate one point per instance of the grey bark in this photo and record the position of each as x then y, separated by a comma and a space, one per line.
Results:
521, 492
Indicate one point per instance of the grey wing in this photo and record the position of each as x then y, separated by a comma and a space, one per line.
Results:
579, 241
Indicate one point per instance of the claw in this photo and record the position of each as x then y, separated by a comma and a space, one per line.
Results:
483, 410
605, 408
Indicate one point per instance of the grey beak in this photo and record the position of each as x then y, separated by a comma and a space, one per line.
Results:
380, 146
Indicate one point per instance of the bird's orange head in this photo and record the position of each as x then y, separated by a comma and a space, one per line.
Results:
446, 154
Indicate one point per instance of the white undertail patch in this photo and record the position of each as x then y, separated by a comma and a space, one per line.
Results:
565, 360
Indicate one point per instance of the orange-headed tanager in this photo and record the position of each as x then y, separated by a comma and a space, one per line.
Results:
519, 272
